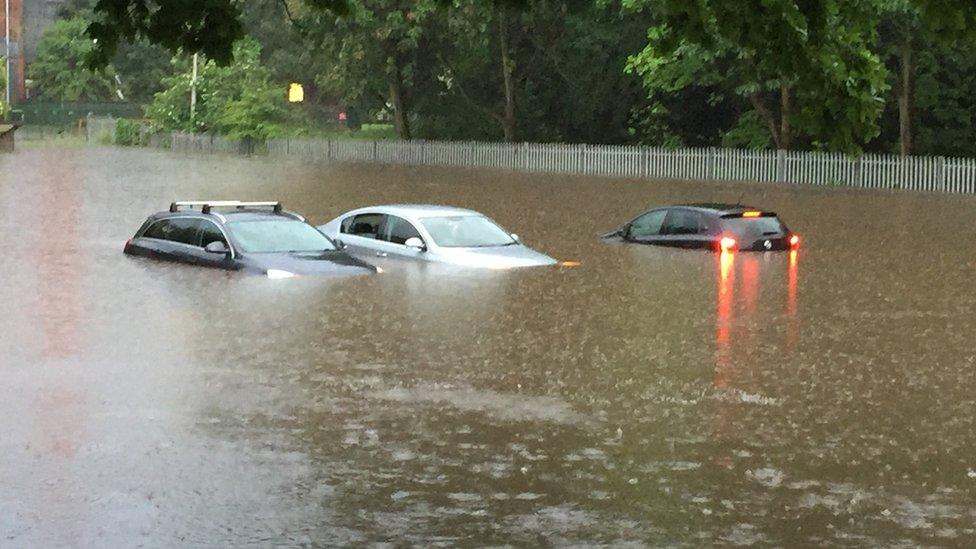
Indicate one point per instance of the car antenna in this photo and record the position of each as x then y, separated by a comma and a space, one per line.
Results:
738, 201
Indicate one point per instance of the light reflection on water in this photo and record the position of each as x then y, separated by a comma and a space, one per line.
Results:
648, 395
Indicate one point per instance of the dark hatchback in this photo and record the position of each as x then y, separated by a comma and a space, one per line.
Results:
719, 227
256, 237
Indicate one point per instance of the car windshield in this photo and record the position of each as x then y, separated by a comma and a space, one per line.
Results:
753, 227
471, 231
278, 235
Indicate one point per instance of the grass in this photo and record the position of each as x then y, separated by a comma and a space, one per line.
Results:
369, 132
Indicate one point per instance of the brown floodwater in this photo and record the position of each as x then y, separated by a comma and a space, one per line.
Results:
650, 395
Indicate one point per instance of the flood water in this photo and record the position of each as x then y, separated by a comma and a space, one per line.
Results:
650, 395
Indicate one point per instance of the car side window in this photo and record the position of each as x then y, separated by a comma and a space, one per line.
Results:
364, 225
183, 230
684, 222
648, 224
398, 230
209, 232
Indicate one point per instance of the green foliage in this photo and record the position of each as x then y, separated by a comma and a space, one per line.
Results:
949, 19
59, 70
945, 98
239, 100
210, 27
138, 65
818, 51
748, 133
127, 132
3, 86
668, 72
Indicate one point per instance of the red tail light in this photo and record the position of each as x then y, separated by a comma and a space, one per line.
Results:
727, 244
795, 241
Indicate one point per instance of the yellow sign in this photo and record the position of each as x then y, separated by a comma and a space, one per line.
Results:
296, 93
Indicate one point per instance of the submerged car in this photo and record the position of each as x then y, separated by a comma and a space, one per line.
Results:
258, 237
720, 227
432, 233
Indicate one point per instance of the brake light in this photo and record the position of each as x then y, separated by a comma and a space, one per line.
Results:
751, 213
795, 241
727, 243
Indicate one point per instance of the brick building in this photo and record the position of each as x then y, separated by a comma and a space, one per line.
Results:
28, 21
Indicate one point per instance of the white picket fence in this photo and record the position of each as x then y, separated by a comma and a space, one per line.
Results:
931, 174
934, 174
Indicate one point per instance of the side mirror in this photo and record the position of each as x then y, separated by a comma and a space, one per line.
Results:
624, 231
340, 245
415, 243
516, 238
217, 247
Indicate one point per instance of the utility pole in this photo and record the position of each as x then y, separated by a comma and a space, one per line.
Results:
6, 57
193, 88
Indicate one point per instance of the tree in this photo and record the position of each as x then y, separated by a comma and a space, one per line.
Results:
239, 100
551, 70
804, 67
59, 70
901, 27
138, 66
210, 27
942, 100
373, 52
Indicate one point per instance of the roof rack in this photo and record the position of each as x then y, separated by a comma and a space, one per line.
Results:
207, 205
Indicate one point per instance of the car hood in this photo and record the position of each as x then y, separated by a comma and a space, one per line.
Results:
495, 257
308, 263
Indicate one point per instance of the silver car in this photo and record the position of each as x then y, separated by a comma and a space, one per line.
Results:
431, 233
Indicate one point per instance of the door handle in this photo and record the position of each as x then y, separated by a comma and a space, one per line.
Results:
381, 254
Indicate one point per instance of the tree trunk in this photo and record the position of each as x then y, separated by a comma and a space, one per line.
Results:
785, 114
767, 116
401, 122
905, 100
508, 119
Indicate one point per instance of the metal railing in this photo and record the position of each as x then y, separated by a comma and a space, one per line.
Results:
932, 174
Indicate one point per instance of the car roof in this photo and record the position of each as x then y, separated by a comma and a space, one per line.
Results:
417, 210
719, 208
227, 216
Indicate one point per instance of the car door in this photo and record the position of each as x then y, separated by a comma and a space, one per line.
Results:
646, 228
360, 232
209, 232
173, 239
393, 236
686, 228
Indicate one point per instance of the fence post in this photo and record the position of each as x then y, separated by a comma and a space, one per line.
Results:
941, 173
374, 152
712, 164
781, 166
328, 151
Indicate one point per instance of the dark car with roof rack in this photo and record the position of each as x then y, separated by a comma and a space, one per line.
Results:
256, 237
719, 227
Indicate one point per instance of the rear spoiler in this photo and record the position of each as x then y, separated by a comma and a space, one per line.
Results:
748, 214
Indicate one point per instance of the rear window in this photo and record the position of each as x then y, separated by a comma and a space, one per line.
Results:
753, 228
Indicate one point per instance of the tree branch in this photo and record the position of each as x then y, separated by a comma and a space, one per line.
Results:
457, 85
